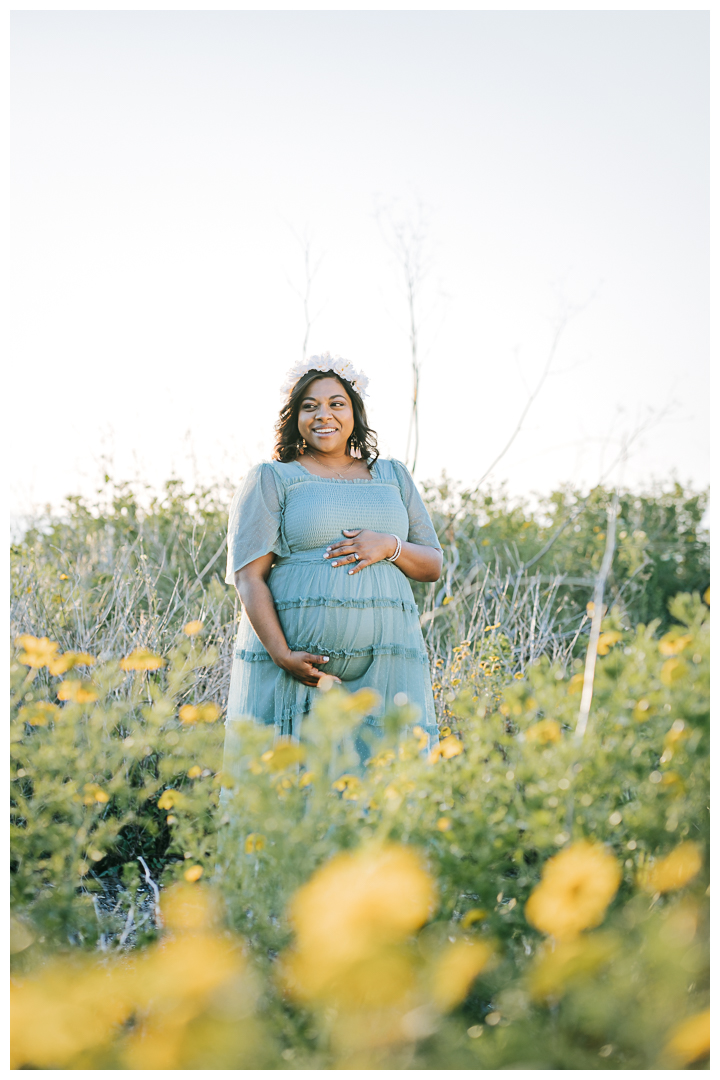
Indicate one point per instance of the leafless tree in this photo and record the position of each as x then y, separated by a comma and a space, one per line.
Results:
311, 265
406, 235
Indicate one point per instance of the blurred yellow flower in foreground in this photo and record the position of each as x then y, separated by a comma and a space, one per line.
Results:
254, 842
672, 671
193, 627
350, 915
456, 969
193, 873
570, 962
207, 713
94, 794
576, 887
39, 714
78, 692
142, 659
545, 731
689, 1042
62, 663
67, 1008
576, 683
448, 747
607, 640
38, 652
170, 799
675, 870
673, 643
283, 754
188, 907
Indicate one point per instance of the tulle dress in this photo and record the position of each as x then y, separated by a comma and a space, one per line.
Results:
367, 623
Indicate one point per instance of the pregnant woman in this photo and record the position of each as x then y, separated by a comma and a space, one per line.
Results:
321, 543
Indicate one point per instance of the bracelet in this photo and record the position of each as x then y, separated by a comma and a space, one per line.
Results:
398, 549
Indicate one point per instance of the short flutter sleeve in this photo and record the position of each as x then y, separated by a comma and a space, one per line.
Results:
421, 529
255, 520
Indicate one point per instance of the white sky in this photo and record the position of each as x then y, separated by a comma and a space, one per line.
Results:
161, 158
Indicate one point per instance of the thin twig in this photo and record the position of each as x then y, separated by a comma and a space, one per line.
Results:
597, 617
155, 889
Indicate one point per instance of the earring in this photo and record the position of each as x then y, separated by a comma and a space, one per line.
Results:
302, 446
355, 450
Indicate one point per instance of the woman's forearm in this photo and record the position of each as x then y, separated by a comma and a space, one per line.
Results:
419, 562
260, 608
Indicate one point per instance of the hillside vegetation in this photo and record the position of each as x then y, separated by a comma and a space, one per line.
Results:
519, 897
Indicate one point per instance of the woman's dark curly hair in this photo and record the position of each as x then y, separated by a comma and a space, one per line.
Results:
288, 441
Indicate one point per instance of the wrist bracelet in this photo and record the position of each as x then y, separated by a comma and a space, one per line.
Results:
397, 550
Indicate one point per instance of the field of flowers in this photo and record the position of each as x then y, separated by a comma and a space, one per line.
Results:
518, 897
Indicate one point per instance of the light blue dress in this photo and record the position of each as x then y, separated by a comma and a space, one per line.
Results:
367, 623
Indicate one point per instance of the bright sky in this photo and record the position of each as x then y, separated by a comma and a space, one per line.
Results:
162, 161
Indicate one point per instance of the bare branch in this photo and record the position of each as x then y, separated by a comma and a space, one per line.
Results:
597, 617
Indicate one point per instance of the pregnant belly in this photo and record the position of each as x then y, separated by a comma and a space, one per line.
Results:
348, 618
345, 634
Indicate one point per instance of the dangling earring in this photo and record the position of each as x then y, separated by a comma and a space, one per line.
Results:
355, 450
302, 446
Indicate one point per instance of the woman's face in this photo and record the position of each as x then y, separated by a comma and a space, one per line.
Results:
326, 419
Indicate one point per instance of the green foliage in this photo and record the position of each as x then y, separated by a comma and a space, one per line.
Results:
119, 791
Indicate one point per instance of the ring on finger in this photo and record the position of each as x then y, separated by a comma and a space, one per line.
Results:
356, 556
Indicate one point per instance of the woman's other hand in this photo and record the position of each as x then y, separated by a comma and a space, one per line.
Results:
301, 665
371, 546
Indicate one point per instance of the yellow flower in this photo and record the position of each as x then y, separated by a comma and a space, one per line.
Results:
142, 659
207, 713
576, 683
569, 962
193, 873
187, 908
472, 916
443, 824
170, 799
672, 671
38, 652
673, 643
607, 640
193, 627
448, 747
675, 870
421, 735
194, 772
39, 714
690, 1041
353, 909
62, 663
284, 754
94, 794
254, 842
576, 887
456, 970
74, 690
545, 731
349, 785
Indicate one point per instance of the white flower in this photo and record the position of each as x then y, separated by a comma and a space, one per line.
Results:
357, 379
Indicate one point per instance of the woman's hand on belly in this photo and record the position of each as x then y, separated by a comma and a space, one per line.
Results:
301, 665
371, 547
417, 561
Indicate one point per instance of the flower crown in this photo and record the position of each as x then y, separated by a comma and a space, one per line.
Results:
357, 379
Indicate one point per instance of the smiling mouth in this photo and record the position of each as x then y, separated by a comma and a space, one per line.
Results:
324, 431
